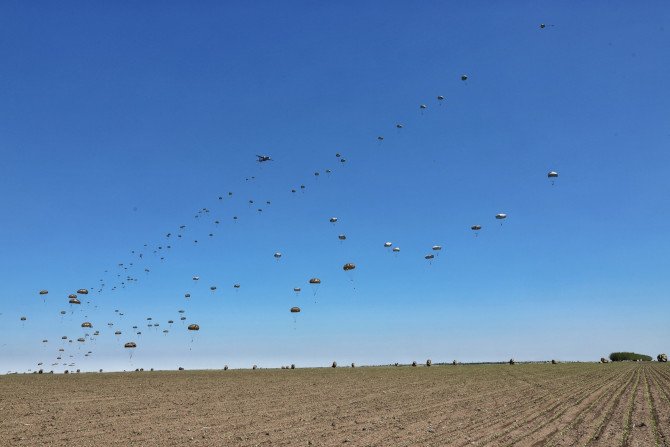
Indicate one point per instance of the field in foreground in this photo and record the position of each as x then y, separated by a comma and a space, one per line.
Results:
485, 405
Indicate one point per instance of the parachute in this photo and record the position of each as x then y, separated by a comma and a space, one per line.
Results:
82, 292
437, 247
501, 217
552, 175
277, 256
297, 290
295, 310
440, 98
387, 244
196, 278
380, 138
131, 345
429, 257
423, 107
399, 126
237, 286
396, 249
86, 324
212, 288
44, 292
193, 327
23, 318
464, 77
315, 282
333, 219
342, 237
187, 295
349, 266
74, 301
72, 296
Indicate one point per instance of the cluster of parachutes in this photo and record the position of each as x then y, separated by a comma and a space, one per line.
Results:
161, 249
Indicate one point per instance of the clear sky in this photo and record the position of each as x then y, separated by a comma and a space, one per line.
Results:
119, 121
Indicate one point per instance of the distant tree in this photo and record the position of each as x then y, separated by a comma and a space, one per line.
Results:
629, 356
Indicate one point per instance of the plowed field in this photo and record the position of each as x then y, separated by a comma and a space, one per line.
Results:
624, 404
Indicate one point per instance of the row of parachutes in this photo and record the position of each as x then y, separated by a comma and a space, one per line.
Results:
160, 250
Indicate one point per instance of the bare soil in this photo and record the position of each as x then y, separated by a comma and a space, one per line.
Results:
616, 404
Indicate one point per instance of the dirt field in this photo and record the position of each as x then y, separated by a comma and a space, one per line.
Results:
488, 405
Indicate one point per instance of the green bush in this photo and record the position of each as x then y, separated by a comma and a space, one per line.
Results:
628, 356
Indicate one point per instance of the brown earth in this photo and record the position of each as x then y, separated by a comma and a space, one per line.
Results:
616, 404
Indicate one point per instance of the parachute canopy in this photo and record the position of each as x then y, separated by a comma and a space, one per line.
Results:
551, 174
130, 345
348, 266
86, 324
315, 281
295, 310
476, 227
437, 247
82, 291
43, 292
387, 244
193, 327
501, 216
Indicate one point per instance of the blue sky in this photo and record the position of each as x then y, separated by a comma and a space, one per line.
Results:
118, 122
